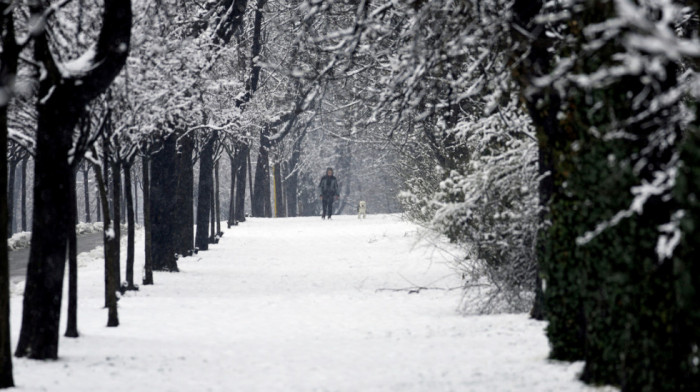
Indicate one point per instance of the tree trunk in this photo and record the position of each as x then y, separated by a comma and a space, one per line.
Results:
283, 181
6, 379
279, 200
292, 179
50, 226
131, 229
116, 205
8, 69
206, 163
250, 180
344, 168
106, 223
148, 266
261, 203
162, 205
11, 199
184, 219
63, 102
241, 171
86, 190
72, 319
111, 263
291, 185
136, 201
122, 205
98, 209
232, 197
218, 201
212, 209
24, 193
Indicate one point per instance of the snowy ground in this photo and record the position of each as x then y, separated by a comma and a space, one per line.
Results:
293, 305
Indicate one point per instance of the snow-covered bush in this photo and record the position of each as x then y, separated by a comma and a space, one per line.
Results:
19, 240
24, 239
490, 206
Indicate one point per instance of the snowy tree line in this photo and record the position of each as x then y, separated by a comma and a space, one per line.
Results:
148, 97
555, 141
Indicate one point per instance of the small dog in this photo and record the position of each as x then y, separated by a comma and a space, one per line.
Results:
362, 210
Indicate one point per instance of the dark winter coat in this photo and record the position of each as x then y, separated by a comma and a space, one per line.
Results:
328, 186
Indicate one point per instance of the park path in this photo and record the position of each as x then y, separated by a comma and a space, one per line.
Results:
299, 304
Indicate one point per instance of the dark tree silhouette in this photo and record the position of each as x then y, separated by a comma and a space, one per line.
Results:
23, 197
131, 229
148, 261
111, 282
241, 159
162, 203
86, 190
184, 219
8, 70
62, 101
261, 204
206, 167
72, 324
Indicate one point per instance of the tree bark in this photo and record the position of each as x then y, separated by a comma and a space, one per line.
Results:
250, 180
292, 179
184, 225
279, 200
24, 193
232, 197
162, 205
212, 219
6, 378
11, 198
148, 263
98, 210
261, 203
122, 205
62, 102
235, 10
72, 319
241, 172
206, 163
8, 70
111, 282
131, 229
86, 190
136, 200
218, 201
116, 206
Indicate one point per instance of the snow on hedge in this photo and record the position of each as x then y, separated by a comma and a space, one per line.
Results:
23, 239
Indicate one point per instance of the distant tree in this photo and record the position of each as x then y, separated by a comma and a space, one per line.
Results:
204, 193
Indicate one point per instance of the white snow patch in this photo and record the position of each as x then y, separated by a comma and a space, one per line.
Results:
293, 305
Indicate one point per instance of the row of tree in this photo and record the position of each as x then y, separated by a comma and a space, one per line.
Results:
163, 91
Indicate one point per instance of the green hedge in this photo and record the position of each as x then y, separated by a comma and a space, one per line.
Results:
611, 302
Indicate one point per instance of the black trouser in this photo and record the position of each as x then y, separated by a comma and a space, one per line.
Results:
328, 205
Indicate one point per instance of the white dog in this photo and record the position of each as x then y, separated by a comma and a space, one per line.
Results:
362, 210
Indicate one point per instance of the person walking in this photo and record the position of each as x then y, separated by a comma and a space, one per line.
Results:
329, 192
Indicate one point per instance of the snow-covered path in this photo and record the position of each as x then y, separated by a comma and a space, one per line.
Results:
293, 305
